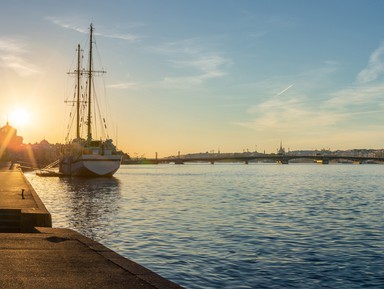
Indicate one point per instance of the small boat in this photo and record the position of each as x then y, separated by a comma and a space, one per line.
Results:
86, 156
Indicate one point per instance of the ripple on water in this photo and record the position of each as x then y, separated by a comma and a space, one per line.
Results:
234, 226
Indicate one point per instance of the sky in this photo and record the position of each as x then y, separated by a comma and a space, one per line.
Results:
204, 75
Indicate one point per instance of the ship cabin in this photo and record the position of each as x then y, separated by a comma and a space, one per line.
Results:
99, 147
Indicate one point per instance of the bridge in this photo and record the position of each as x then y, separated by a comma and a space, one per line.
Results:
278, 158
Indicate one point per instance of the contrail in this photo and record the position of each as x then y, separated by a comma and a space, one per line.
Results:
284, 90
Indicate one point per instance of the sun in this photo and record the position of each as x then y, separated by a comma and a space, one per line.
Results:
19, 117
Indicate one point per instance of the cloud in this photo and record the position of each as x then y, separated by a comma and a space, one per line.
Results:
193, 62
19, 65
315, 105
70, 23
206, 65
295, 111
291, 114
375, 67
9, 45
123, 85
128, 37
12, 53
190, 46
356, 95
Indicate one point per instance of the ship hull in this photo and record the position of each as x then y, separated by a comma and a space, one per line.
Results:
90, 165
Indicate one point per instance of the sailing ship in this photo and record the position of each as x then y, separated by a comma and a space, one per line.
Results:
88, 157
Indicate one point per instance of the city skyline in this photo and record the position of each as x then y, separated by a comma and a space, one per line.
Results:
202, 76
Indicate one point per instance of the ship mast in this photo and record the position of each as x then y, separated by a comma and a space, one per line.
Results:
89, 131
78, 94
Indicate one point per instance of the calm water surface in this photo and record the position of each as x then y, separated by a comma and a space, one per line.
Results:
234, 225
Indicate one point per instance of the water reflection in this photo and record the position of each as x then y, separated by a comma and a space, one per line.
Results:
92, 204
234, 226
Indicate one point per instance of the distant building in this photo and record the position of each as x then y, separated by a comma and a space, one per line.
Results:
281, 150
45, 153
10, 142
39, 154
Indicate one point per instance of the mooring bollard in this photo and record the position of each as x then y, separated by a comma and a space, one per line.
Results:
22, 193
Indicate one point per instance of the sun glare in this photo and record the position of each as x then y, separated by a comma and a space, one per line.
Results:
19, 117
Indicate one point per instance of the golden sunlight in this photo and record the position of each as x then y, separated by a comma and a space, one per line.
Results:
19, 117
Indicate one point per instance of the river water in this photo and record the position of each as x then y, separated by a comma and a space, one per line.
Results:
234, 225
